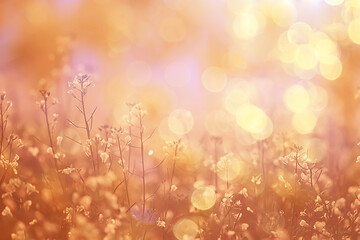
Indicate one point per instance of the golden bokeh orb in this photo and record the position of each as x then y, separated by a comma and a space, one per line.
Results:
251, 118
185, 229
332, 69
214, 79
334, 2
228, 167
354, 31
305, 56
296, 98
245, 26
266, 132
304, 122
316, 150
180, 121
203, 198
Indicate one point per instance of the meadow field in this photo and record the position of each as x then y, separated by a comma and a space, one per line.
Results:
179, 119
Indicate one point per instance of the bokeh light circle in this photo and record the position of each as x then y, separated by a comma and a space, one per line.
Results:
354, 31
251, 118
185, 229
304, 122
245, 26
180, 121
214, 79
334, 2
228, 167
332, 69
296, 98
203, 198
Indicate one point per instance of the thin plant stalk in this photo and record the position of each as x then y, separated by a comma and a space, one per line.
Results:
45, 109
142, 162
87, 128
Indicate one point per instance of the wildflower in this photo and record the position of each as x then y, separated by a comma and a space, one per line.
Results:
160, 223
67, 171
68, 214
319, 209
104, 157
33, 151
27, 205
49, 150
59, 155
30, 189
230, 233
244, 192
110, 227
303, 223
81, 82
227, 200
19, 235
59, 140
6, 212
303, 213
34, 221
55, 117
85, 202
237, 215
173, 188
249, 210
256, 180
244, 226
320, 226
138, 111
340, 203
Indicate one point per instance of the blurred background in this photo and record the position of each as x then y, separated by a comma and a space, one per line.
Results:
198, 67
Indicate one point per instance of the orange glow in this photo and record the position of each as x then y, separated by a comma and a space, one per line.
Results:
179, 119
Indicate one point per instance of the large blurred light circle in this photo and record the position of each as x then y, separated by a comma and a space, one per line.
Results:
228, 168
299, 33
283, 12
245, 26
251, 118
304, 122
296, 98
316, 150
318, 98
214, 79
240, 93
185, 229
305, 56
354, 31
334, 2
180, 121
332, 69
325, 48
266, 132
203, 198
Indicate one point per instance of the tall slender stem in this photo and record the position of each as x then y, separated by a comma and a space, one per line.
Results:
142, 161
45, 110
86, 123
